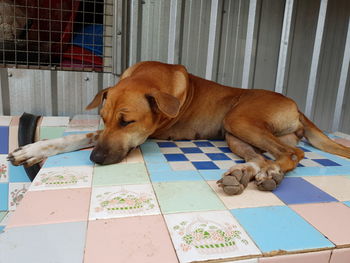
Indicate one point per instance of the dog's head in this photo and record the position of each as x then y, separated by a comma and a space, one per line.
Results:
132, 111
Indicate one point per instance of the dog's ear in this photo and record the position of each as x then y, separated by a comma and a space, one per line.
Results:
100, 96
164, 102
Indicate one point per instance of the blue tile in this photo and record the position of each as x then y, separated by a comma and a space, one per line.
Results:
77, 158
205, 165
239, 161
347, 203
225, 149
300, 165
17, 174
278, 228
218, 156
203, 144
175, 157
149, 147
296, 190
61, 242
172, 176
211, 175
4, 195
4, 139
317, 171
326, 162
166, 144
158, 167
191, 150
2, 229
154, 158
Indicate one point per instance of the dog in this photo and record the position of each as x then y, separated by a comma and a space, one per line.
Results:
162, 101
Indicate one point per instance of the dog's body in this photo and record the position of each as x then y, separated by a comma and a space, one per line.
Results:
156, 100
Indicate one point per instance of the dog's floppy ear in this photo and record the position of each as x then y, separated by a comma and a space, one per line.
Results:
164, 102
100, 96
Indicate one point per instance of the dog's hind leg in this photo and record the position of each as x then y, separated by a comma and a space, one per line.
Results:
236, 179
31, 154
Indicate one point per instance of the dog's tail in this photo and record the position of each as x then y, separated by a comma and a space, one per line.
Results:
318, 139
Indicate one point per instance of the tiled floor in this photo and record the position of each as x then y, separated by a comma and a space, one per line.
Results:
162, 204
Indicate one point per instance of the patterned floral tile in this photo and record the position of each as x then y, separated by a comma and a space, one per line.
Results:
4, 175
62, 177
208, 235
16, 194
123, 201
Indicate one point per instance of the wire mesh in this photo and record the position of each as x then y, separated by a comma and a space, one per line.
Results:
56, 34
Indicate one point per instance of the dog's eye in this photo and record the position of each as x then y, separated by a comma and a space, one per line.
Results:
124, 123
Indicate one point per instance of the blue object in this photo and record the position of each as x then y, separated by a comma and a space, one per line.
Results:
225, 149
191, 150
204, 144
175, 157
218, 156
4, 139
91, 38
4, 196
277, 228
296, 190
166, 144
205, 165
326, 162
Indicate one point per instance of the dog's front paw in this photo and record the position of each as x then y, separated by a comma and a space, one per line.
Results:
27, 155
269, 178
236, 179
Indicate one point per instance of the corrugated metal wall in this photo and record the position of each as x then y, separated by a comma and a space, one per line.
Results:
297, 47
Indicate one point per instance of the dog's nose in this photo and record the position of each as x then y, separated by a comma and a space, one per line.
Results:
98, 156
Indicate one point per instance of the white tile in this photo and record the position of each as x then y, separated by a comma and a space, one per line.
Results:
233, 156
4, 174
310, 163
185, 144
182, 166
197, 157
62, 178
5, 120
54, 121
220, 144
166, 150
224, 164
313, 155
210, 150
16, 194
135, 156
6, 219
208, 235
123, 201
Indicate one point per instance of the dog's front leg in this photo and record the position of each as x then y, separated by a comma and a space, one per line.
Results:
31, 154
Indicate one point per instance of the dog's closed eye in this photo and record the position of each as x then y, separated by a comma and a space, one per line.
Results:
123, 122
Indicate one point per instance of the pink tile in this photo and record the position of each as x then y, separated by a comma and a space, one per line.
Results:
340, 256
134, 239
54, 206
331, 219
313, 257
13, 136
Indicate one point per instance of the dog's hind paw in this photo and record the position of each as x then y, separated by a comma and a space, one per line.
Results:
268, 179
236, 179
27, 155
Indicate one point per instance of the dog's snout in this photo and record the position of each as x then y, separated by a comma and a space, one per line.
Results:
98, 156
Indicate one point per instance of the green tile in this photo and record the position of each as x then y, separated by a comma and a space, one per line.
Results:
51, 132
2, 215
186, 196
116, 174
